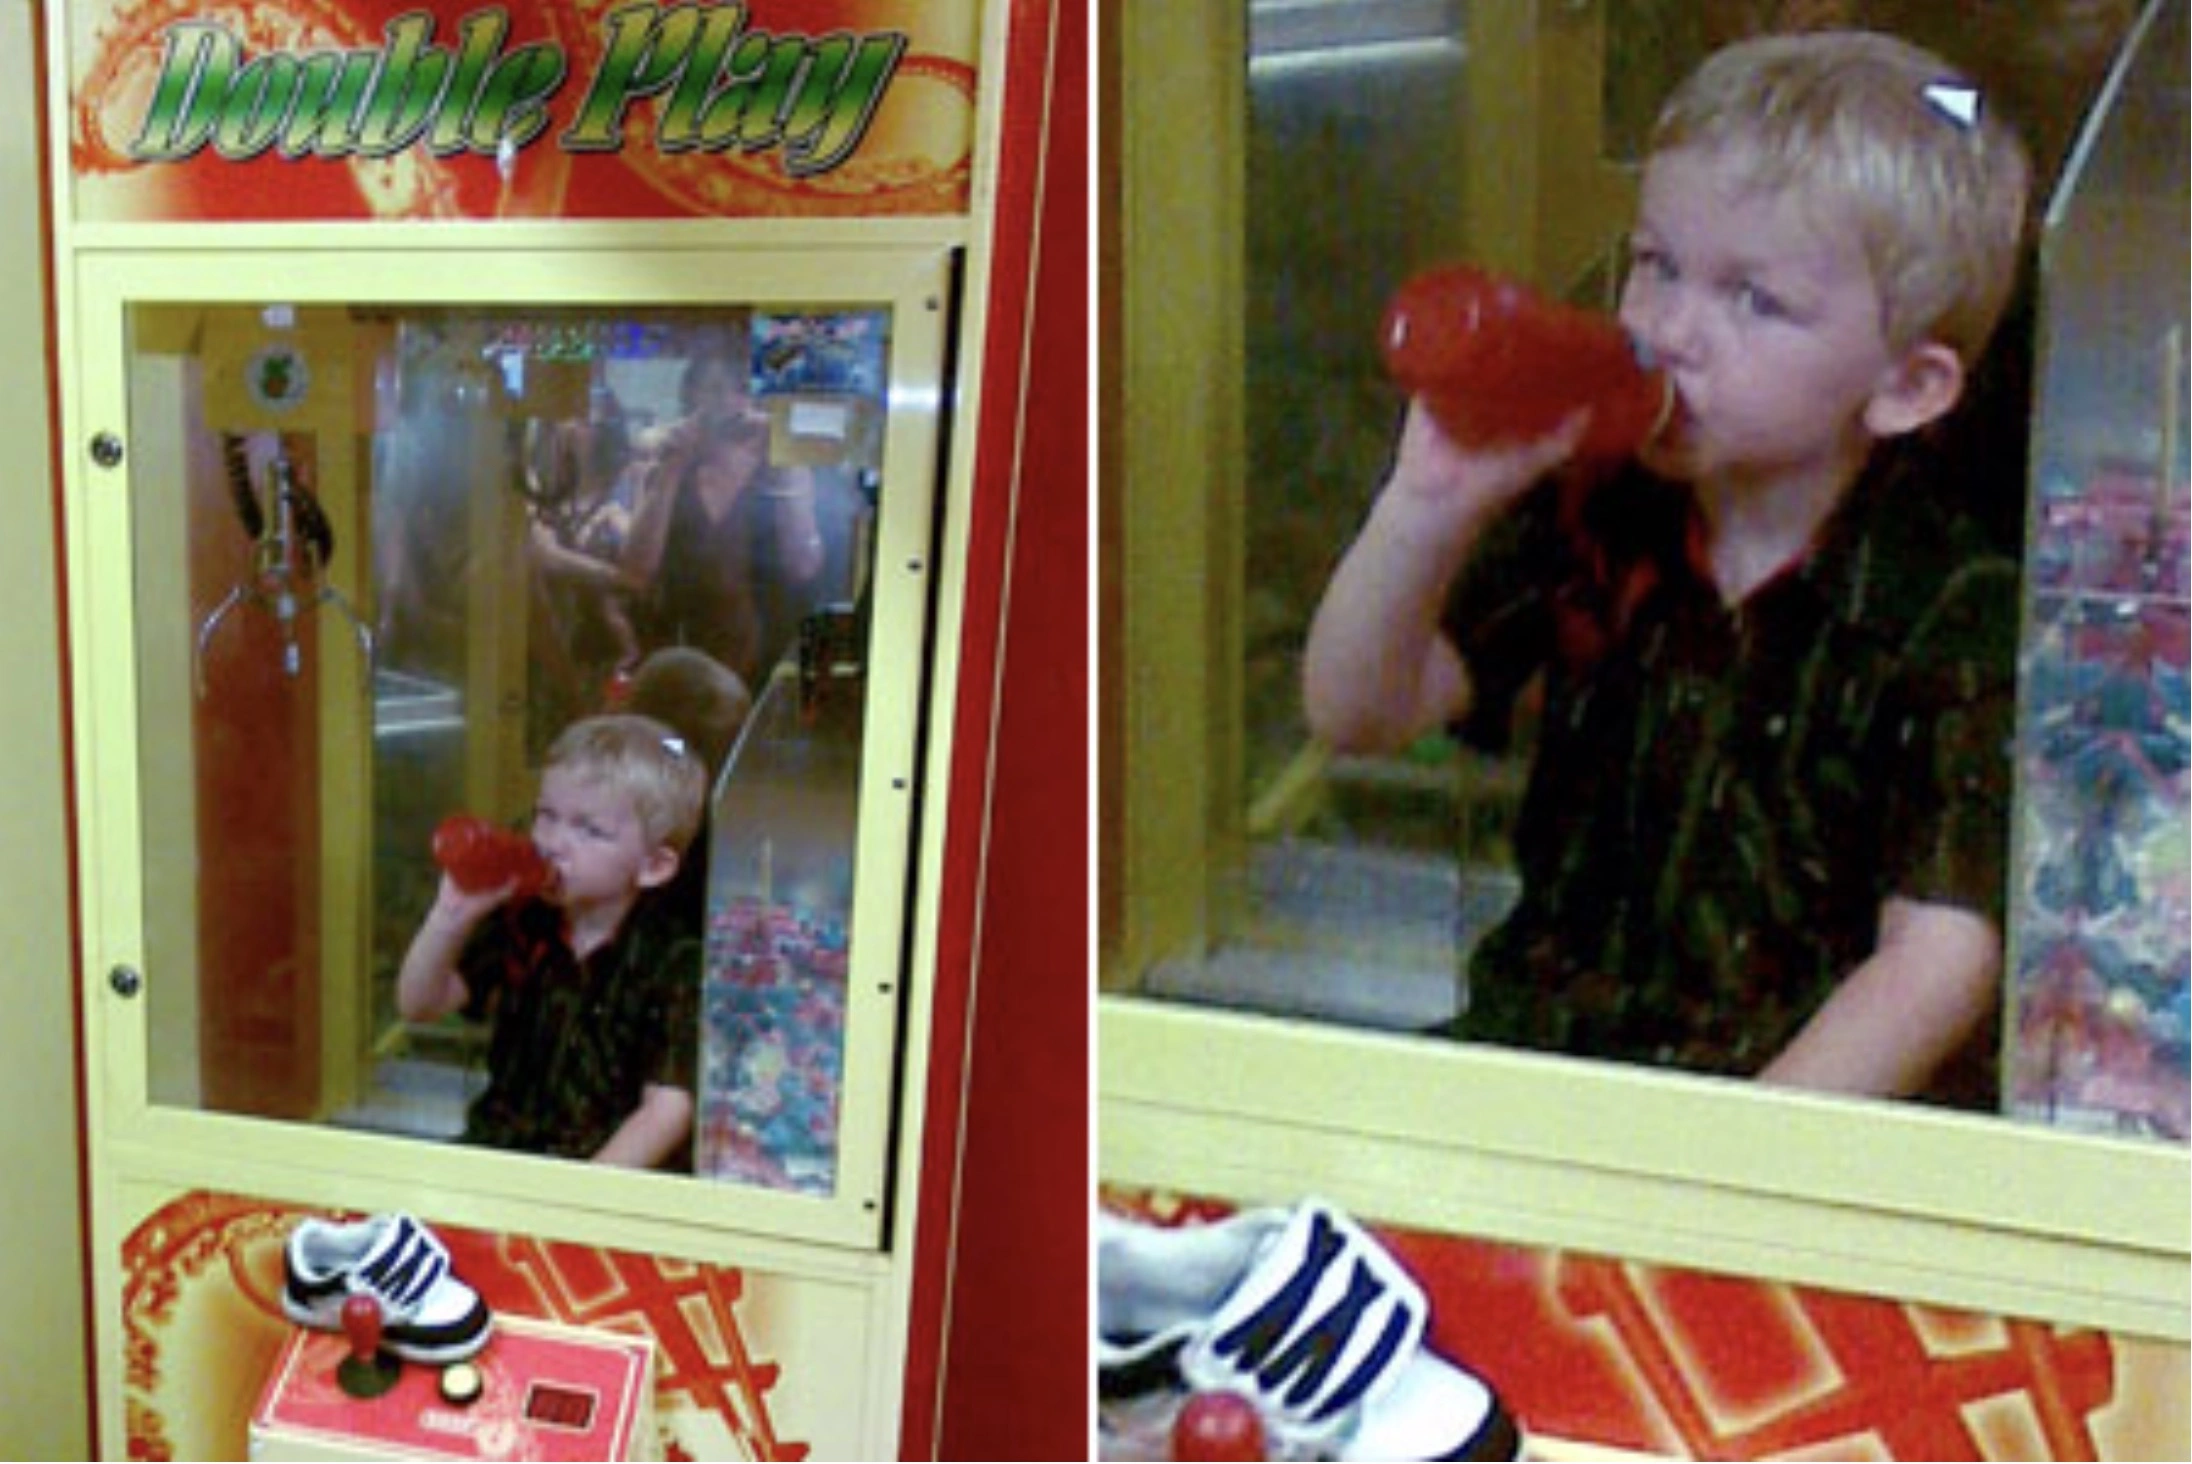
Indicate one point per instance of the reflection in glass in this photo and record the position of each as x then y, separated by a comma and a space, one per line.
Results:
381, 558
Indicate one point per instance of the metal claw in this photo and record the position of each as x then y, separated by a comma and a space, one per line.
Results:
364, 633
289, 551
211, 623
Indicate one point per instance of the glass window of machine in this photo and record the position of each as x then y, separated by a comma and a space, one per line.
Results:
406, 579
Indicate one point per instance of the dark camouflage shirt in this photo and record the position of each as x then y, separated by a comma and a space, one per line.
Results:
1722, 798
575, 1043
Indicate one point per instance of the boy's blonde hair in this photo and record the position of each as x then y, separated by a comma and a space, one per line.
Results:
646, 762
1872, 130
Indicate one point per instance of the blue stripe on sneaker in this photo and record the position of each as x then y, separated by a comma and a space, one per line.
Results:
408, 1269
1370, 1369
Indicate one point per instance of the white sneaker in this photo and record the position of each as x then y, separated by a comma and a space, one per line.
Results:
427, 1314
1304, 1314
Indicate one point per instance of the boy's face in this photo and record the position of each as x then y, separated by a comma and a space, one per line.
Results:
1766, 317
595, 845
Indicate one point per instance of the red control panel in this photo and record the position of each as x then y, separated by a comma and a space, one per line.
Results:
541, 1391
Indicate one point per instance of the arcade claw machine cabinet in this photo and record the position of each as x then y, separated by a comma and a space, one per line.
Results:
434, 377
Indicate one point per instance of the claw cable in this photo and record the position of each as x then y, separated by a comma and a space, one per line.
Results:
238, 461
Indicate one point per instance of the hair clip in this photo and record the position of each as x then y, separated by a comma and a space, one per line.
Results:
1954, 100
675, 746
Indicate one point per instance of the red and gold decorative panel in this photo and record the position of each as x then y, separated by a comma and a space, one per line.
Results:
378, 109
203, 1323
1624, 1356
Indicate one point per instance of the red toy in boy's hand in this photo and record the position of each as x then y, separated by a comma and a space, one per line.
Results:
479, 855
1217, 1425
1497, 363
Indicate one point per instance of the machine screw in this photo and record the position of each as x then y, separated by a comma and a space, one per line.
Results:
106, 450
126, 980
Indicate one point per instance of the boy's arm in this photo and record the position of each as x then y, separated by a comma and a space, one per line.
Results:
428, 984
652, 1132
1929, 982
1376, 670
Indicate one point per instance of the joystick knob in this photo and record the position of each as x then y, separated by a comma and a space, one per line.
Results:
361, 1323
367, 1372
1218, 1425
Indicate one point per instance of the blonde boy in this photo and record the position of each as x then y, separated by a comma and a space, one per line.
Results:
1764, 828
593, 986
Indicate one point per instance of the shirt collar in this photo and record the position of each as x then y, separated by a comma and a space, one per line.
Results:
1839, 566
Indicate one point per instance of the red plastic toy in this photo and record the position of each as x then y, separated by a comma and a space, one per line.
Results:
481, 855
1497, 363
1217, 1425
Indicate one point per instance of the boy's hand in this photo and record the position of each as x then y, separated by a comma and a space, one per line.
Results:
1431, 472
1376, 670
652, 1132
456, 908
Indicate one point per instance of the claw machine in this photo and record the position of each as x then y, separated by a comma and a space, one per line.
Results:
434, 379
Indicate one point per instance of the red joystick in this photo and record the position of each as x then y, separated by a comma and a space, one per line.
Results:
1218, 1425
1498, 363
480, 855
367, 1372
361, 1323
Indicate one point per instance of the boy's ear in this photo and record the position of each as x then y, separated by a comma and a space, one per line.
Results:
1916, 390
659, 865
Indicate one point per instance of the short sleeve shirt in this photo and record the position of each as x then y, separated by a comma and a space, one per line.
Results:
1722, 797
575, 1043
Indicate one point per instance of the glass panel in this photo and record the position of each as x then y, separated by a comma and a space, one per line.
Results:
2098, 942
383, 557
1384, 135
1350, 108
773, 1029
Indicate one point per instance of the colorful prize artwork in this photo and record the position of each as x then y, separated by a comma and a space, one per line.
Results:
841, 352
2102, 936
772, 1047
